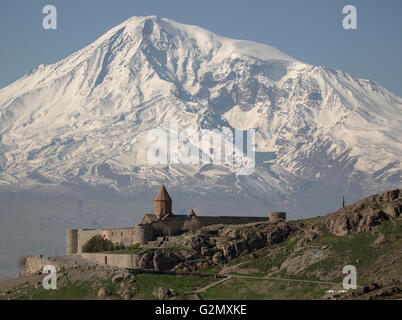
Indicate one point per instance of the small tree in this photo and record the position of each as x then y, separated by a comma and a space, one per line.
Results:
97, 243
119, 246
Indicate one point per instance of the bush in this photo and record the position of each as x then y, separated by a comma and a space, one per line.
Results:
98, 243
119, 246
136, 246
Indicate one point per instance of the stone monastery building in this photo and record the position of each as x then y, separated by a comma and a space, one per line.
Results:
161, 222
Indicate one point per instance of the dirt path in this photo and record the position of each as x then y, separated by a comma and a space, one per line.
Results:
203, 289
268, 276
289, 279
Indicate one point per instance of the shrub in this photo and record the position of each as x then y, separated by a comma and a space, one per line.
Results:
136, 246
98, 243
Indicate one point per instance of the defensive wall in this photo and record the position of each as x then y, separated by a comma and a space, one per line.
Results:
116, 260
170, 225
76, 238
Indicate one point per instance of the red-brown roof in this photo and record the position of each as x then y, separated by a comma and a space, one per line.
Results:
163, 195
149, 218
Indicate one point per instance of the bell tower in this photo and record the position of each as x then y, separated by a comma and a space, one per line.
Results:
162, 203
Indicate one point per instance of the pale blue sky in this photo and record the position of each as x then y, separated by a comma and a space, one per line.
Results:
309, 30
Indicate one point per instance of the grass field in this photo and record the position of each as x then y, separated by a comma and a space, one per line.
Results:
144, 287
256, 289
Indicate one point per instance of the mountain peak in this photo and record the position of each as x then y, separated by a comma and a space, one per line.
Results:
137, 26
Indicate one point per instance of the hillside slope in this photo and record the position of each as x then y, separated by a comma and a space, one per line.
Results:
301, 259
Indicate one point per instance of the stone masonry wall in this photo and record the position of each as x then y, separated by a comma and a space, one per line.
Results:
170, 225
36, 263
116, 260
178, 224
205, 221
126, 236
144, 233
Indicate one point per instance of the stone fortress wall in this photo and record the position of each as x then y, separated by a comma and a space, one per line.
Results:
178, 224
118, 260
76, 238
276, 216
162, 222
141, 234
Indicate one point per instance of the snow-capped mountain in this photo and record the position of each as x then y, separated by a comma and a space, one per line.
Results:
85, 119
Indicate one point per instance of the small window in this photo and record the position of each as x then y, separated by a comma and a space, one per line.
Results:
122, 234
